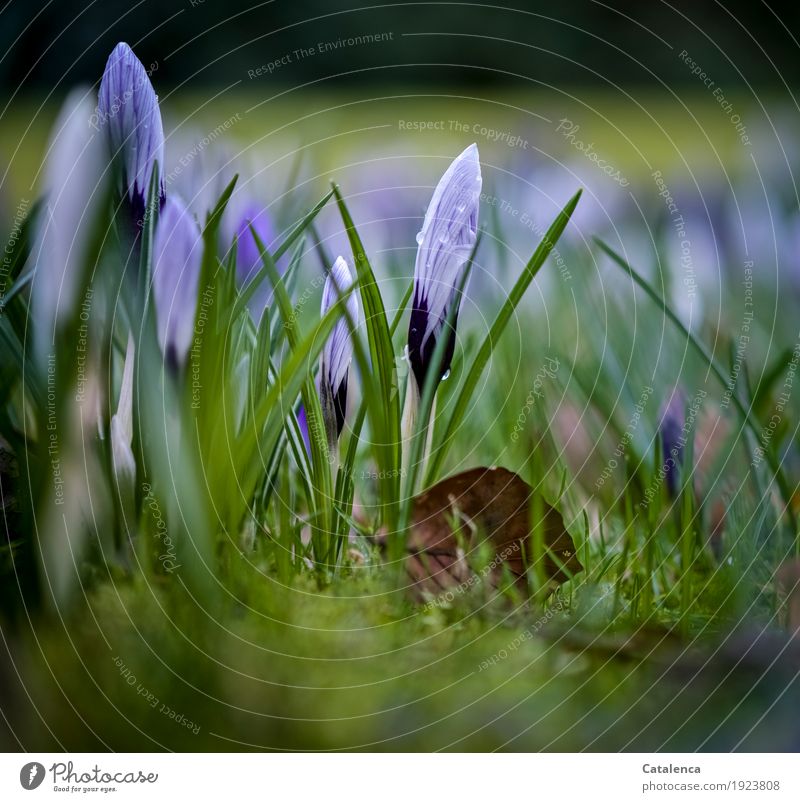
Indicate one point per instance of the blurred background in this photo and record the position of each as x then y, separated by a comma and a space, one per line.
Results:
597, 95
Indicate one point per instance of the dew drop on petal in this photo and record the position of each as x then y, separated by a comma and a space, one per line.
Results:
420, 237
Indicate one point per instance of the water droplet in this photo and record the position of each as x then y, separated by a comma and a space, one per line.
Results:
444, 238
446, 375
420, 237
461, 206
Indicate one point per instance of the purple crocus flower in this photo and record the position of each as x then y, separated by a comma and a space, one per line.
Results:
127, 108
447, 237
74, 188
673, 440
338, 350
177, 260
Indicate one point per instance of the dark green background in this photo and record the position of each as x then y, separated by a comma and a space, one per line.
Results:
215, 43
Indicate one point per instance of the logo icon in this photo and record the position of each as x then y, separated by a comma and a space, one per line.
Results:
31, 775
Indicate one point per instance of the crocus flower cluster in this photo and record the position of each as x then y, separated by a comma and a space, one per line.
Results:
128, 113
127, 123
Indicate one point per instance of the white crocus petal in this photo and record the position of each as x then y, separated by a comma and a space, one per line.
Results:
177, 257
447, 237
74, 189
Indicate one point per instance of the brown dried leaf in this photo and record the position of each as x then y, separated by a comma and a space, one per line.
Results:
486, 505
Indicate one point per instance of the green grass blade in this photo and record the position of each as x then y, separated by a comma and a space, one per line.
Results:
387, 428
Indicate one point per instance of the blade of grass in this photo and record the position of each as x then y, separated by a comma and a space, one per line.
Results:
387, 427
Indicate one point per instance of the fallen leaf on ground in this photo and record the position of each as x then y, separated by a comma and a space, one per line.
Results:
451, 522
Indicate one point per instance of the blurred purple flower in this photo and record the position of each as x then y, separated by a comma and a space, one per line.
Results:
177, 260
447, 237
127, 108
248, 258
671, 425
74, 188
338, 350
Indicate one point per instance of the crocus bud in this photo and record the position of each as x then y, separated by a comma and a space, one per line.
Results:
673, 440
177, 258
337, 352
74, 189
122, 458
447, 237
127, 108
